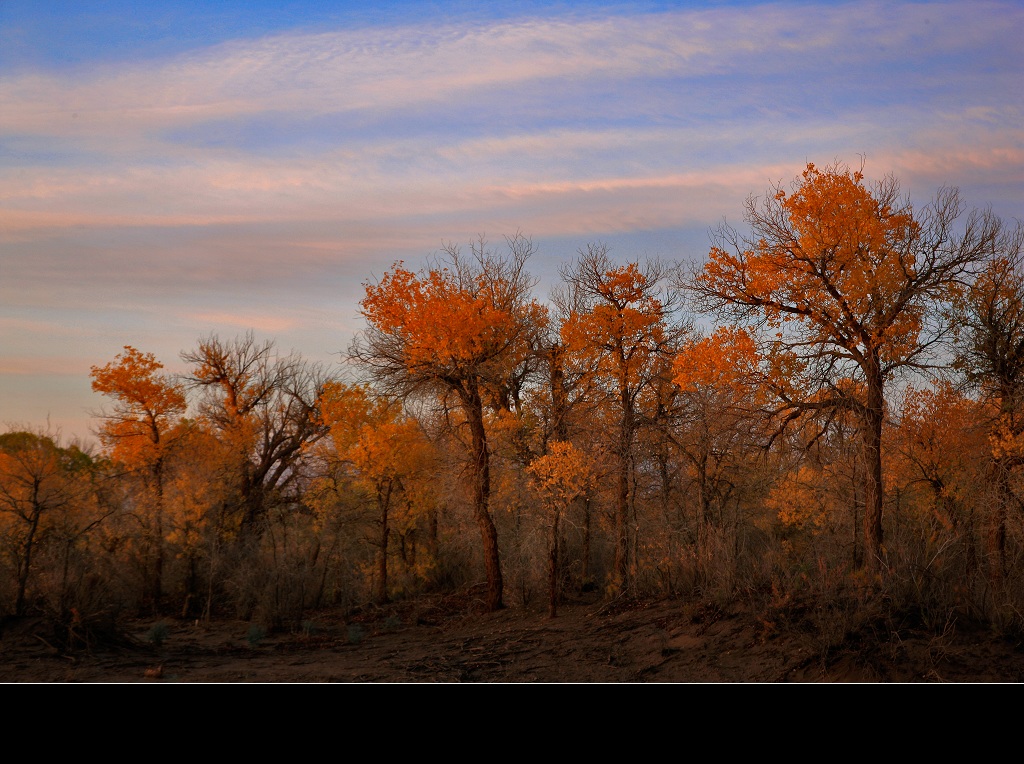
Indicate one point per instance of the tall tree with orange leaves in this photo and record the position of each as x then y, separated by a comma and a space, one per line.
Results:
387, 453
718, 401
560, 477
148, 405
461, 328
841, 282
620, 328
991, 355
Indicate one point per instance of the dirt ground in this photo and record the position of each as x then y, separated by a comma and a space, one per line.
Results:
431, 641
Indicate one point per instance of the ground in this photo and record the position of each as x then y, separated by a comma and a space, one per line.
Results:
435, 640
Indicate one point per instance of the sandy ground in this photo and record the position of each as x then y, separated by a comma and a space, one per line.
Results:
588, 642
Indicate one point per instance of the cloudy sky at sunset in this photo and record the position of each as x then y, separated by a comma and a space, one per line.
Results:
174, 169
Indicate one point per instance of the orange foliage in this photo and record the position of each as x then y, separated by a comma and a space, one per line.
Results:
808, 499
562, 475
35, 477
147, 404
941, 437
382, 445
939, 457
838, 263
622, 331
447, 326
46, 499
727, 361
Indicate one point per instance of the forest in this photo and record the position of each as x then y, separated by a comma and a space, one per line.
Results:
825, 412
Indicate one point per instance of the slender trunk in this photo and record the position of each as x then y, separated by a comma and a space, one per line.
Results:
26, 561
560, 431
666, 481
703, 513
872, 434
703, 502
970, 548
432, 532
855, 545
559, 396
157, 584
473, 408
622, 527
191, 584
383, 503
65, 574
622, 567
634, 525
585, 575
995, 534
553, 568
410, 548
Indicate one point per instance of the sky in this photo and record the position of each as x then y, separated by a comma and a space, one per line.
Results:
174, 170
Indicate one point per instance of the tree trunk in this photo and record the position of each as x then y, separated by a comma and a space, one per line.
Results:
157, 584
995, 536
559, 395
586, 584
432, 532
874, 415
703, 514
553, 568
622, 578
383, 503
253, 510
26, 561
473, 408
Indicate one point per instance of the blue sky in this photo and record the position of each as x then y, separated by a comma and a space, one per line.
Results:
170, 170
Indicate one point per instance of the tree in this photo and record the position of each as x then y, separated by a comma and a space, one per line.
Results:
265, 407
148, 406
464, 329
940, 445
387, 451
560, 476
843, 284
991, 354
39, 480
720, 425
619, 328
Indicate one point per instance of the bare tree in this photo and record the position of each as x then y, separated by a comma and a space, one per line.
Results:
265, 407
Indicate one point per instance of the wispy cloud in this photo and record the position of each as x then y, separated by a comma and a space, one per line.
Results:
268, 324
64, 366
257, 182
374, 70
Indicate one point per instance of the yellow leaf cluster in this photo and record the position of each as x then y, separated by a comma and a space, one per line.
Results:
727, 360
803, 499
562, 475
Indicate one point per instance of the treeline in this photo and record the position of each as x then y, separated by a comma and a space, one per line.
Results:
825, 413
